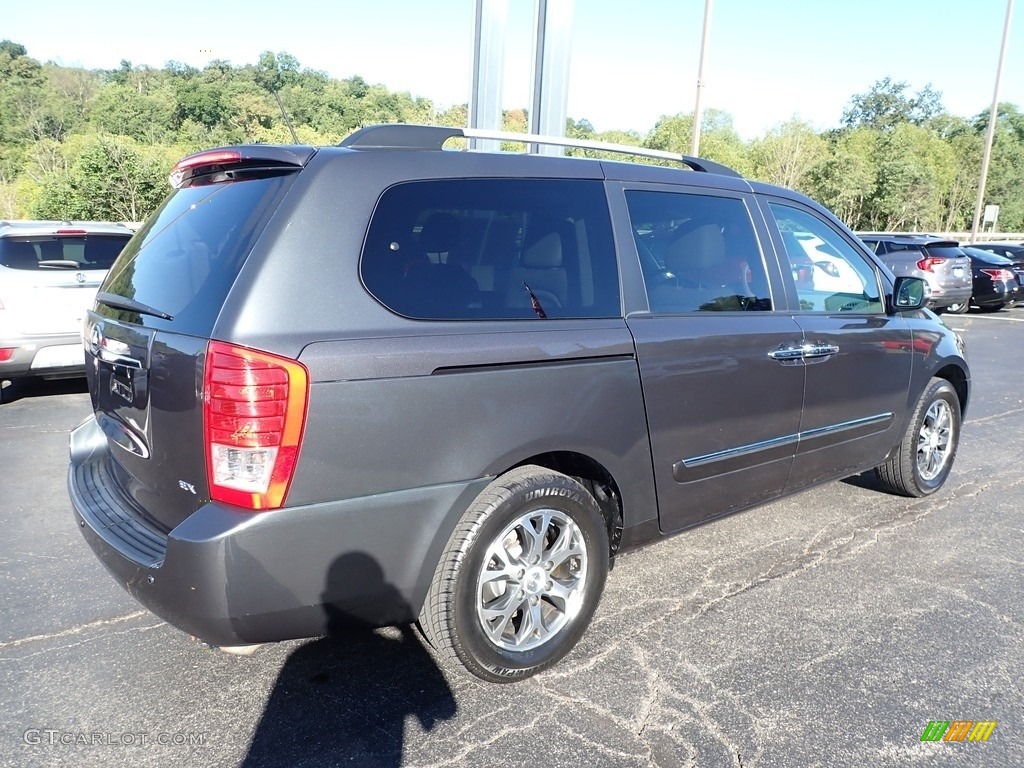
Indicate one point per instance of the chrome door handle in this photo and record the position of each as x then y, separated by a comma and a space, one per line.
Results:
787, 354
793, 353
819, 350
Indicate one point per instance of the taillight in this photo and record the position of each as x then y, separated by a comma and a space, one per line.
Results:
254, 411
6, 353
999, 274
928, 262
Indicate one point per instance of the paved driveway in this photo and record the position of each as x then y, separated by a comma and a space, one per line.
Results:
824, 630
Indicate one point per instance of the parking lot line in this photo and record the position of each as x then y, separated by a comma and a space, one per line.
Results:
995, 317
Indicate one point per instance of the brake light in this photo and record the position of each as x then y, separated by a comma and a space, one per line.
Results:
254, 412
209, 158
6, 353
71, 232
926, 264
999, 274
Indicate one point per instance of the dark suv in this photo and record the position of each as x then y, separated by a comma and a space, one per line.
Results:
939, 262
384, 383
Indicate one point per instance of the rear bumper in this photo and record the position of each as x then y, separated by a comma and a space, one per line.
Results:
231, 577
996, 294
30, 353
944, 297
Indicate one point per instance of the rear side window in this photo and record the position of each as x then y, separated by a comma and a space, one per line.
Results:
61, 251
493, 249
185, 258
699, 253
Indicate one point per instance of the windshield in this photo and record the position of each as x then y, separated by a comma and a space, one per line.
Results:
184, 260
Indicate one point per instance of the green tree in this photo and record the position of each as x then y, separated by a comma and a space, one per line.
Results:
886, 105
719, 141
109, 178
786, 155
844, 180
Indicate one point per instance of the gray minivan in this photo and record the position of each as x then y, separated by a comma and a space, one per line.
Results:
386, 382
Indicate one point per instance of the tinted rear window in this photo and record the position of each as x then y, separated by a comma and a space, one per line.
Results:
945, 252
478, 249
61, 252
185, 258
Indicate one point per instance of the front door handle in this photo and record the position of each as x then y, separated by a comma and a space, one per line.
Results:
792, 353
819, 350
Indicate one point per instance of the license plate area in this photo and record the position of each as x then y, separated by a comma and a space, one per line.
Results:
59, 356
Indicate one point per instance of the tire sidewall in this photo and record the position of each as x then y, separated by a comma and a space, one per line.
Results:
532, 493
939, 390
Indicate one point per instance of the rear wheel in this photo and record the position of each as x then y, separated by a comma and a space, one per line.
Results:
958, 309
520, 578
992, 307
925, 456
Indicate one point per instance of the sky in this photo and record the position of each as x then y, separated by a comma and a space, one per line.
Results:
631, 62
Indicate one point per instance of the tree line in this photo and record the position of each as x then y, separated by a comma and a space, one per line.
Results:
99, 144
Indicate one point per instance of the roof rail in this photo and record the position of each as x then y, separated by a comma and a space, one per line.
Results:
405, 136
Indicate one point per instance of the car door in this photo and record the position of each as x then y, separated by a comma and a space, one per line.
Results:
723, 415
858, 359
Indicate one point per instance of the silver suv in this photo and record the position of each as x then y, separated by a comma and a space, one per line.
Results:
49, 273
940, 263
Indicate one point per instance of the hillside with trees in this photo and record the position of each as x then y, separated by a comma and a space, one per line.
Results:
99, 144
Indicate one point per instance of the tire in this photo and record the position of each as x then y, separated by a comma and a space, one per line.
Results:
531, 612
924, 458
958, 309
992, 307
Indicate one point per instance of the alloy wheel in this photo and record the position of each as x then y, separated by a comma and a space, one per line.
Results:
934, 443
533, 580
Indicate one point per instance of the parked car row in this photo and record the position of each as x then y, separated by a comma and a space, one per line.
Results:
989, 276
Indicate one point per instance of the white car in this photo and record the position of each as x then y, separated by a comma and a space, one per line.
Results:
830, 273
49, 274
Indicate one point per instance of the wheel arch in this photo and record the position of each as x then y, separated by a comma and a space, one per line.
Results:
595, 477
957, 378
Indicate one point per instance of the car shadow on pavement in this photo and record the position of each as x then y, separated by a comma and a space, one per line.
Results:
866, 480
344, 699
16, 389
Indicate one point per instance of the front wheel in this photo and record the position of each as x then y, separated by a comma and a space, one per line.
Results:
925, 456
520, 578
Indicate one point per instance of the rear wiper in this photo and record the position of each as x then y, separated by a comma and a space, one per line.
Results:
68, 263
538, 310
120, 302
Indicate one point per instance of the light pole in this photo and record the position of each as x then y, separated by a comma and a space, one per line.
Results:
695, 141
990, 134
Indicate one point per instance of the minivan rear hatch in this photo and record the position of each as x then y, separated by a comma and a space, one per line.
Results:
148, 334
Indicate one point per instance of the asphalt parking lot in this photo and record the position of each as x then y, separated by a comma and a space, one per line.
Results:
824, 630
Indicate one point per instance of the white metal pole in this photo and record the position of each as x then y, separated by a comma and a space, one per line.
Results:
697, 113
991, 133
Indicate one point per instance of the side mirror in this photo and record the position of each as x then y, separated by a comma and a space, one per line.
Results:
908, 294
